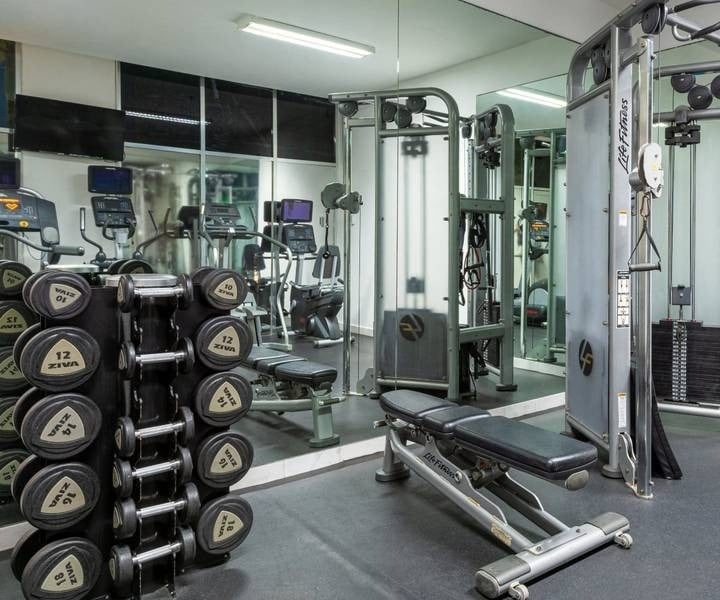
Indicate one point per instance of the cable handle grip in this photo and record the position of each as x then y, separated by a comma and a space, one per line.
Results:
644, 267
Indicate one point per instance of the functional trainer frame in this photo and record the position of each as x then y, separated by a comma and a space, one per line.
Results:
457, 205
609, 335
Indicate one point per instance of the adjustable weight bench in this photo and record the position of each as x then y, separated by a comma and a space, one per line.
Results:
287, 383
462, 450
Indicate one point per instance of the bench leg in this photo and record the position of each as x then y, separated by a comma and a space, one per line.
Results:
392, 469
323, 432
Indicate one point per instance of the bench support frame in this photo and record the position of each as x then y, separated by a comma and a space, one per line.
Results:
462, 485
270, 395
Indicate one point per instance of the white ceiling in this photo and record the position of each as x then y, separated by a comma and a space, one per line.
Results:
200, 37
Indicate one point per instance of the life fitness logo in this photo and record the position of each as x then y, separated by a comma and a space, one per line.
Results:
412, 327
586, 358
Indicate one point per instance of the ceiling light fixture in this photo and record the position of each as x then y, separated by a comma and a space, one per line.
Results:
534, 97
303, 37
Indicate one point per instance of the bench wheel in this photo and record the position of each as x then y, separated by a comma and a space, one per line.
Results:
518, 591
624, 540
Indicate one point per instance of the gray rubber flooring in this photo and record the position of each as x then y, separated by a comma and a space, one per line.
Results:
341, 535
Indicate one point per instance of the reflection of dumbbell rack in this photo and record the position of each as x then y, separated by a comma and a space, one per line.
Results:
46, 552
15, 318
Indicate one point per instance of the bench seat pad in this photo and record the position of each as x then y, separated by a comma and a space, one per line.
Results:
526, 447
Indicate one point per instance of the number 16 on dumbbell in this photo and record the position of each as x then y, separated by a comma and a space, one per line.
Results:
131, 364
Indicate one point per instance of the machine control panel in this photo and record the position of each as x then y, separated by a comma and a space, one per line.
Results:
300, 238
23, 212
113, 212
539, 230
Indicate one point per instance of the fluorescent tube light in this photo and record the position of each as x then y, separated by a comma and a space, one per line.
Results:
154, 117
303, 37
534, 97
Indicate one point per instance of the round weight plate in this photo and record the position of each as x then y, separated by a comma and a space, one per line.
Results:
30, 465
115, 266
10, 461
682, 82
15, 318
223, 459
11, 378
60, 295
7, 428
66, 569
30, 542
24, 403
224, 524
134, 266
199, 274
416, 104
223, 398
12, 278
224, 289
700, 97
59, 358
60, 495
388, 110
223, 343
22, 340
61, 425
715, 86
27, 286
403, 117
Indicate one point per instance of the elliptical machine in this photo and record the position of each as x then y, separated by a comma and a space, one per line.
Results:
113, 212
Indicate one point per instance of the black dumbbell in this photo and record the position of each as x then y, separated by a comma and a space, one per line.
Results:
223, 343
224, 523
126, 435
123, 561
15, 319
127, 292
124, 474
222, 289
63, 569
12, 278
129, 361
127, 516
58, 295
223, 459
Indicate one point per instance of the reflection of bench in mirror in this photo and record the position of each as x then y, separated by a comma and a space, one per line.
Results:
287, 383
461, 450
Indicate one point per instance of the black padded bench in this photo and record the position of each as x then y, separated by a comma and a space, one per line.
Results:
520, 445
287, 367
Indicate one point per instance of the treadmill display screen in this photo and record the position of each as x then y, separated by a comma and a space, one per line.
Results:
9, 173
109, 180
296, 211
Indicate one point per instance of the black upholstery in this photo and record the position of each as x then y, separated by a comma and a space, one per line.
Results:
442, 422
304, 371
529, 448
259, 353
514, 443
269, 365
411, 406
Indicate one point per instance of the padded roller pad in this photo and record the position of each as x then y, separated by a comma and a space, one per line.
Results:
303, 371
411, 406
442, 422
543, 453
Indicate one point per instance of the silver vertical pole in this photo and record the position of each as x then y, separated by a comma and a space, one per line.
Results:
642, 295
550, 331
379, 252
453, 318
693, 226
670, 187
347, 271
507, 195
203, 183
524, 254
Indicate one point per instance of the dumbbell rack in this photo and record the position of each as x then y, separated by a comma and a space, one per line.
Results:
152, 397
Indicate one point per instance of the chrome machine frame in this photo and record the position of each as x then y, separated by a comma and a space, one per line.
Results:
457, 205
605, 332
